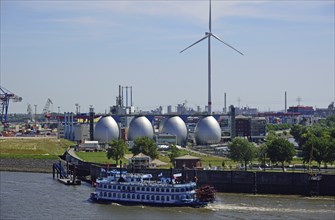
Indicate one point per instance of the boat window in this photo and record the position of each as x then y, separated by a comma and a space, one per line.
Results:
168, 198
133, 196
105, 194
143, 189
138, 197
109, 194
118, 187
119, 195
104, 186
177, 197
172, 190
114, 195
128, 196
162, 190
114, 187
172, 197
167, 190
148, 189
138, 188
143, 197
157, 197
152, 189
123, 187
123, 195
157, 189
148, 197
162, 198
152, 197
109, 186
177, 190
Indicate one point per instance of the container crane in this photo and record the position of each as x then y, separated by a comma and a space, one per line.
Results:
5, 97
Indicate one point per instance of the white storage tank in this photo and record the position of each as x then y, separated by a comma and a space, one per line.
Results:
207, 131
140, 126
176, 126
106, 129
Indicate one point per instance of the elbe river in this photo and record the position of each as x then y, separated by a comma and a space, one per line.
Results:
39, 196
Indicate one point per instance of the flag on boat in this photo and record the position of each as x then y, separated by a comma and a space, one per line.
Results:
176, 175
160, 175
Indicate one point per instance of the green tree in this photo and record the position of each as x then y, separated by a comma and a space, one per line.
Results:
241, 150
297, 132
174, 152
330, 156
146, 146
317, 145
280, 150
262, 154
116, 150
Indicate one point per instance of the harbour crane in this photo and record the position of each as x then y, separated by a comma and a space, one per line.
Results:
5, 97
46, 109
29, 111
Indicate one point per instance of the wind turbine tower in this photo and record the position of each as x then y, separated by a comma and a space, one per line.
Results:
208, 35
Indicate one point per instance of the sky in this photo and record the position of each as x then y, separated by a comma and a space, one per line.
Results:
81, 51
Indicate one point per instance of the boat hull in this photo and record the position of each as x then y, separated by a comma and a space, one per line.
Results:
195, 204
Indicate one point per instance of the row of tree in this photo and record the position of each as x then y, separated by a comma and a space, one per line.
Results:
277, 150
316, 142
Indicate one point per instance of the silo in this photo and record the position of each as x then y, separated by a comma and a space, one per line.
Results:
207, 131
106, 129
140, 126
176, 126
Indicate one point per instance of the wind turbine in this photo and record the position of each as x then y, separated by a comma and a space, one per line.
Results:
208, 35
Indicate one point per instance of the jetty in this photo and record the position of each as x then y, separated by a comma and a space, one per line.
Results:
67, 177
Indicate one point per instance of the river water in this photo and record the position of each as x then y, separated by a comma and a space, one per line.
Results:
38, 196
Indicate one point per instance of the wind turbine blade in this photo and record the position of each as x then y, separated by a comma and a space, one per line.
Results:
216, 37
195, 43
210, 17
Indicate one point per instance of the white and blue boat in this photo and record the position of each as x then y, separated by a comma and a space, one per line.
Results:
134, 188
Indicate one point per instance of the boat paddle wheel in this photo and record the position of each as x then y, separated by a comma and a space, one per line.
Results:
206, 193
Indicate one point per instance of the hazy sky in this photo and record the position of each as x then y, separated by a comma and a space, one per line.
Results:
80, 51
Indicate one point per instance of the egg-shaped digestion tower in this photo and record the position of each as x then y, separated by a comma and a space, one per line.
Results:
140, 126
106, 129
207, 131
176, 126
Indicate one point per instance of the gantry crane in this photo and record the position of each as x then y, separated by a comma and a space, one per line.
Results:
5, 97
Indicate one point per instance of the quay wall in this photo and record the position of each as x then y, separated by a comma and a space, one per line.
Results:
251, 182
291, 183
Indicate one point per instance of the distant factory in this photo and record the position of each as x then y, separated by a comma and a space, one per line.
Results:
182, 127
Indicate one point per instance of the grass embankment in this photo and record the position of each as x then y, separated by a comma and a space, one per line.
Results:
33, 148
31, 154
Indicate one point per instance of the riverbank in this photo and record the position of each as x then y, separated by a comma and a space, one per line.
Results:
27, 165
